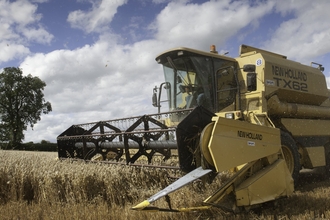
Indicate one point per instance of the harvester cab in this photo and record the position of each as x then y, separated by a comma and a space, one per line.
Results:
189, 76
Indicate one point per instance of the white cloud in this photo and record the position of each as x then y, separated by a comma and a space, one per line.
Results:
39, 35
98, 18
20, 25
39, 1
12, 51
20, 12
167, 1
207, 23
306, 34
96, 77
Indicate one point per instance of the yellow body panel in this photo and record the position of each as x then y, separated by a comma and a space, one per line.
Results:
268, 184
315, 156
234, 143
307, 127
290, 80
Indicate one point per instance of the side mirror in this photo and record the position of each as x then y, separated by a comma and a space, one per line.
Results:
251, 81
249, 68
154, 100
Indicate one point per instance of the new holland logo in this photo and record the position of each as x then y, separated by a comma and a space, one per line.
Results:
249, 135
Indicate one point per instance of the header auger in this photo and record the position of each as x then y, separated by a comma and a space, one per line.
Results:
259, 115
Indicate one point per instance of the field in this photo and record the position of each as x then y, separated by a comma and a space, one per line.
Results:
34, 185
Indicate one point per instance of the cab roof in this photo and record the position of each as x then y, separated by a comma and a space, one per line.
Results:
184, 51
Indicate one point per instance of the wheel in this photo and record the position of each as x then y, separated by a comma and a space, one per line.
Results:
290, 154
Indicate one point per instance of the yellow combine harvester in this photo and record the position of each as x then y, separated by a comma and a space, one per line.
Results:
260, 115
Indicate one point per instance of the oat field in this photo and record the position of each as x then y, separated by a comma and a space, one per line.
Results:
34, 185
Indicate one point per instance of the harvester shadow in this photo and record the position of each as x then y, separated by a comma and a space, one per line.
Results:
311, 179
309, 197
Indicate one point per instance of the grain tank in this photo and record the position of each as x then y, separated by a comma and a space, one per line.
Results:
294, 98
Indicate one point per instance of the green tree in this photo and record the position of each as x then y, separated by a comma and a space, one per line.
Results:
21, 104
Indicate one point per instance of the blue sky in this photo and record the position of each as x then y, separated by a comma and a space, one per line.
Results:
97, 57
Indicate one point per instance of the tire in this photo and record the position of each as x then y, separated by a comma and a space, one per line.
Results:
291, 155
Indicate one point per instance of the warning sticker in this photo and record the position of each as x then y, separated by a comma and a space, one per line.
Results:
259, 62
270, 82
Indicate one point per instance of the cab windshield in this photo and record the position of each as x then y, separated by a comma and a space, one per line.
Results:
190, 82
201, 81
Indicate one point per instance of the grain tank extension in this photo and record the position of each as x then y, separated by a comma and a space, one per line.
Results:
260, 115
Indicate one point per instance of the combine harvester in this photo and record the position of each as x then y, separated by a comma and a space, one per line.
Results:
259, 115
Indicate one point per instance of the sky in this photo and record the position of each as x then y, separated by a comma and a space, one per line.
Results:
97, 57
